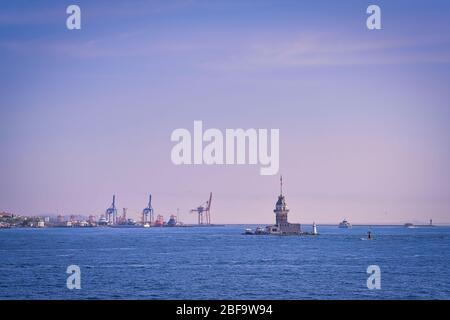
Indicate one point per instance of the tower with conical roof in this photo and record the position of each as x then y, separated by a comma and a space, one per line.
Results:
281, 208
281, 211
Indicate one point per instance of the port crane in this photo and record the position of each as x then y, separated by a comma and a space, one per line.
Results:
111, 212
147, 213
203, 212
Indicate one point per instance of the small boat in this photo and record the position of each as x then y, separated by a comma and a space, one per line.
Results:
147, 225
248, 232
408, 225
369, 236
172, 221
345, 224
102, 221
260, 230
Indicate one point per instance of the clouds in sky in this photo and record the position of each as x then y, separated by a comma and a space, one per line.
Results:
363, 115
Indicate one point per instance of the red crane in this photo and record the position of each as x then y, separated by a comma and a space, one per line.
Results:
203, 211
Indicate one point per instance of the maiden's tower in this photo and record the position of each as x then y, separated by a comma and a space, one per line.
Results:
282, 226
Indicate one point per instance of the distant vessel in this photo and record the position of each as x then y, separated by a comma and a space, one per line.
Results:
102, 221
369, 236
159, 221
4, 225
260, 230
128, 223
410, 225
345, 224
172, 221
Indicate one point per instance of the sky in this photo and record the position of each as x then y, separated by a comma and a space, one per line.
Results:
363, 114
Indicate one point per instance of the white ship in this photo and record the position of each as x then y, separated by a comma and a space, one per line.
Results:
345, 224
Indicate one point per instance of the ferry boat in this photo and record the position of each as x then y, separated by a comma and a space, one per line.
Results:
159, 221
172, 221
102, 221
260, 230
345, 224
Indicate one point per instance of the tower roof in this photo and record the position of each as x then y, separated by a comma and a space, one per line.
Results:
281, 201
281, 204
281, 185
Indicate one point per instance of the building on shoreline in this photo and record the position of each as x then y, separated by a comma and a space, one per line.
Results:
282, 226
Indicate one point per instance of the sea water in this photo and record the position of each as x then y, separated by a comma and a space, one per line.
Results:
221, 263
